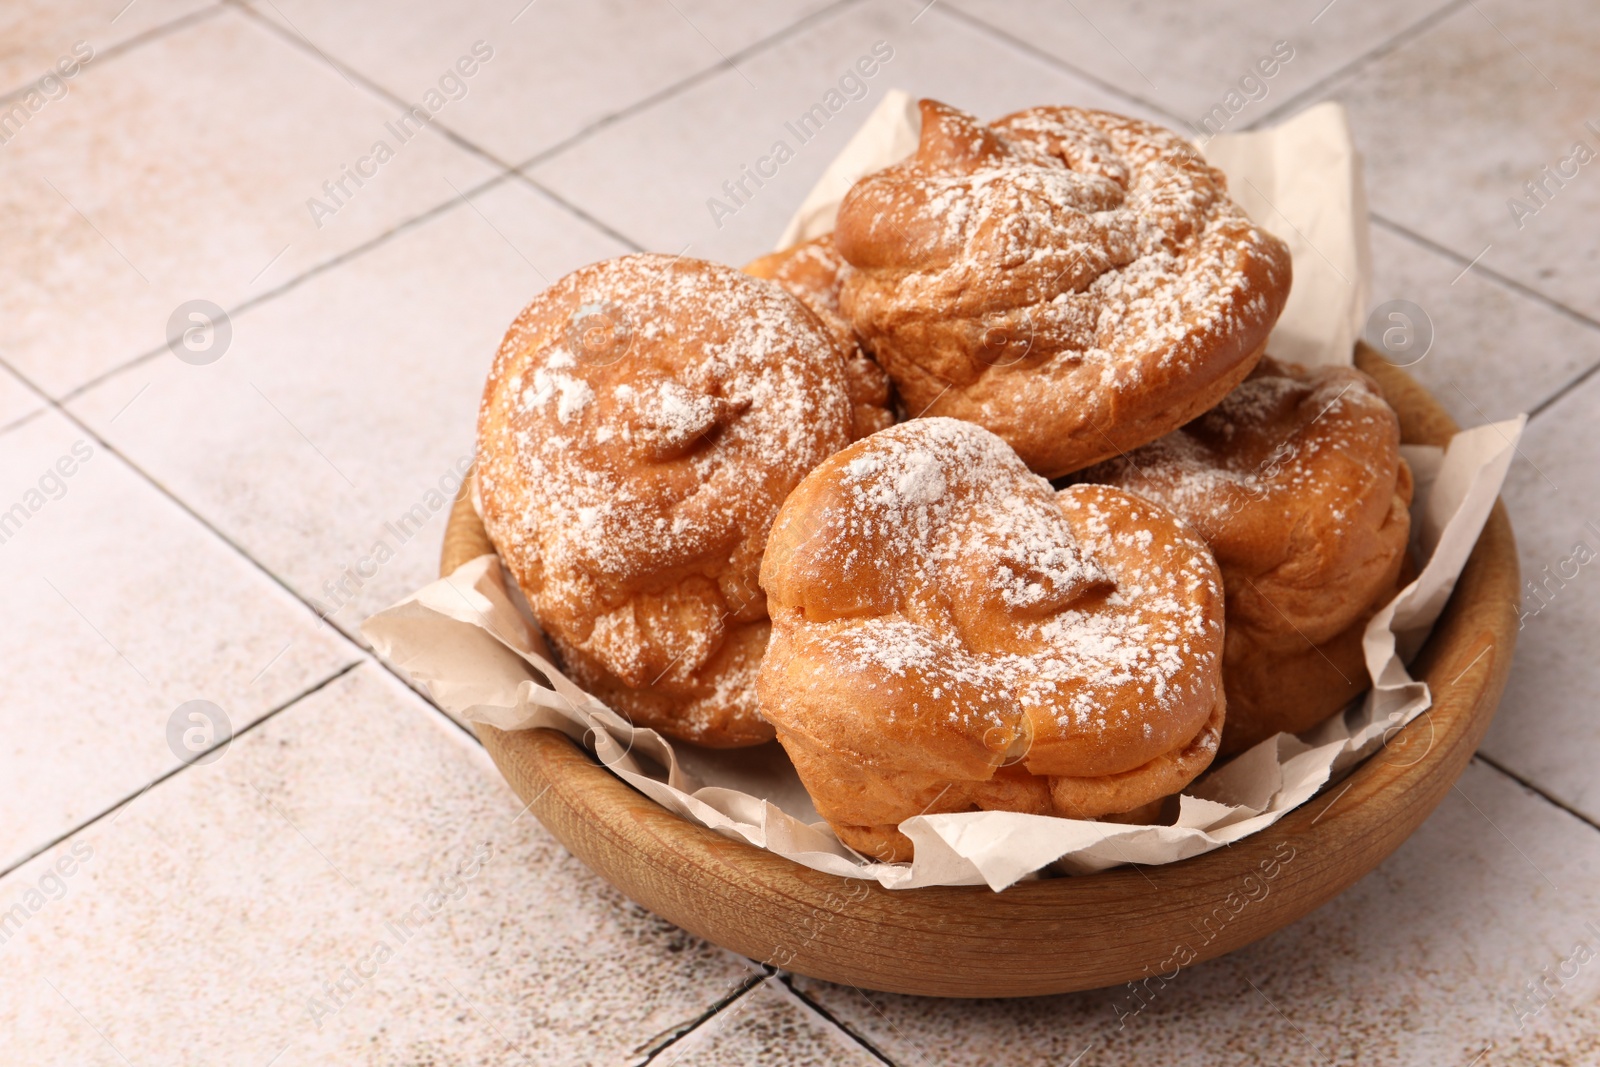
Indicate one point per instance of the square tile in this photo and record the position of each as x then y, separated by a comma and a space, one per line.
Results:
1189, 59
1546, 730
1456, 122
120, 609
1423, 961
350, 882
1496, 352
550, 68
329, 439
767, 1025
39, 33
183, 171
711, 133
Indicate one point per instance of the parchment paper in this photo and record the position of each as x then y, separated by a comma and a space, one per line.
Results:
474, 647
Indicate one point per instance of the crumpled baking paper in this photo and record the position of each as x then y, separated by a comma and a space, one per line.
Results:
469, 639
1327, 305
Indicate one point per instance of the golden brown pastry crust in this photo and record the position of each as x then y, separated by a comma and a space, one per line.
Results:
1078, 282
643, 421
950, 634
812, 272
1297, 483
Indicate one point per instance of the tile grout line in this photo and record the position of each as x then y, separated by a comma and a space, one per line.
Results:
22, 420
426, 216
301, 44
1389, 44
138, 40
682, 85
1506, 282
1053, 60
573, 209
1539, 791
1395, 41
240, 551
1574, 384
517, 169
682, 1030
860, 1039
507, 171
271, 713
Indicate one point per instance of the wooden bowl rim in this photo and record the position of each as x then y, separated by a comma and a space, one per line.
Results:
1057, 934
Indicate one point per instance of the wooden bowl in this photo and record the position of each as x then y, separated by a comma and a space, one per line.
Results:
1051, 935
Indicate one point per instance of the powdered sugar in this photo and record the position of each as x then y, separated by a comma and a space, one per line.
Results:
1005, 603
1077, 256
645, 418
813, 272
1266, 442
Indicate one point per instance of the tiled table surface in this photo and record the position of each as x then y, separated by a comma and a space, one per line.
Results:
244, 910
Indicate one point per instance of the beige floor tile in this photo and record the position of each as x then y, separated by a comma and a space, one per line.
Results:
1423, 961
119, 610
1547, 731
1496, 351
343, 411
557, 66
768, 1025
182, 171
1189, 58
700, 138
235, 913
1454, 122
38, 33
